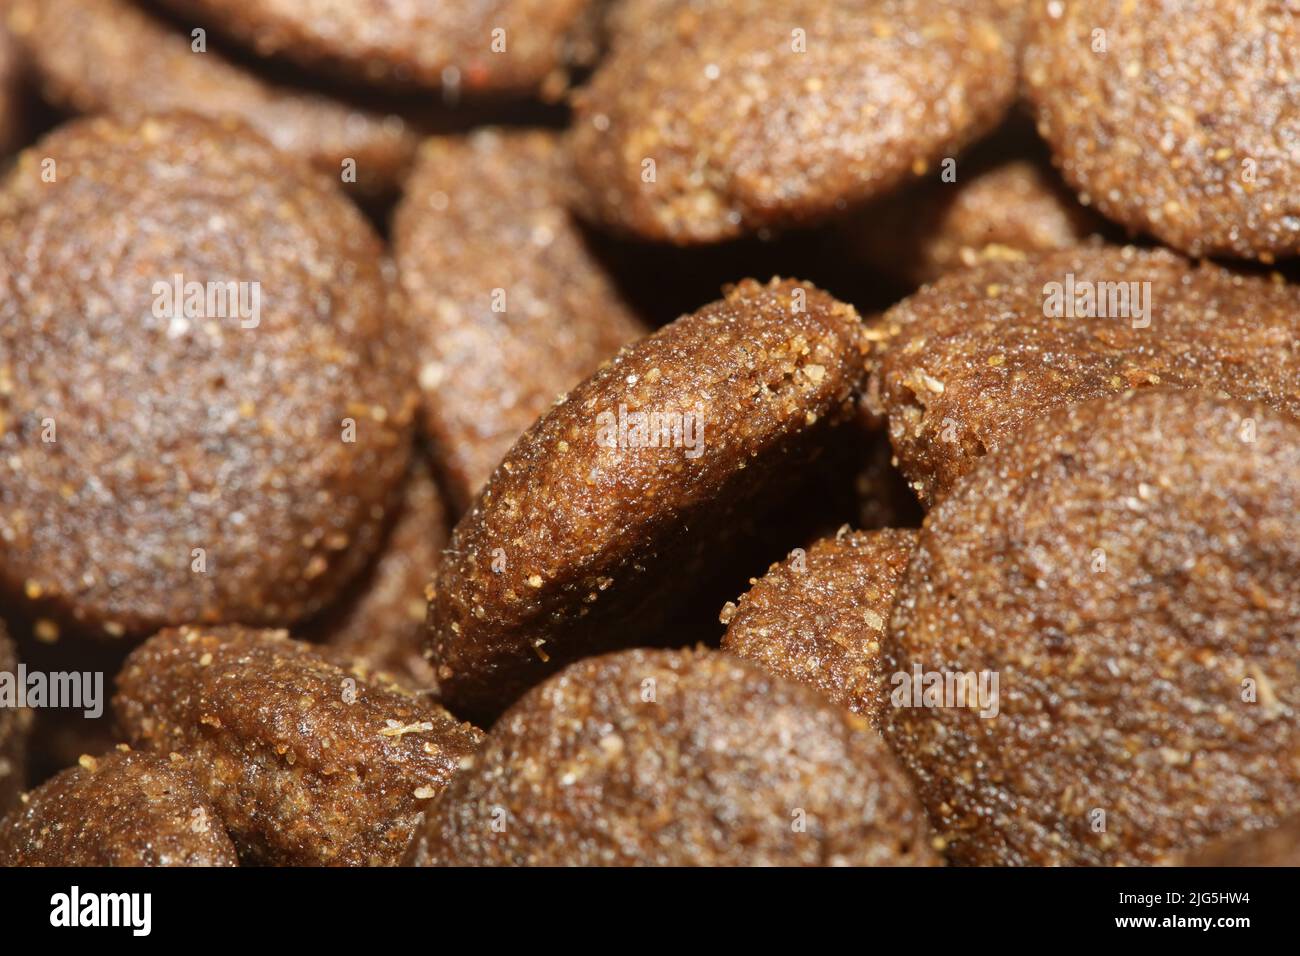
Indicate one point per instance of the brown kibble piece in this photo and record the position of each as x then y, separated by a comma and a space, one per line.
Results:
590, 533
110, 56
1123, 567
483, 46
676, 758
819, 617
379, 627
692, 130
1274, 846
125, 808
1184, 123
983, 351
306, 764
509, 307
174, 461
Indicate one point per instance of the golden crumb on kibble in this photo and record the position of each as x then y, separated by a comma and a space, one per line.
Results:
297, 753
1176, 118
125, 808
676, 758
819, 617
139, 495
984, 350
694, 130
96, 56
474, 46
594, 548
508, 305
1126, 570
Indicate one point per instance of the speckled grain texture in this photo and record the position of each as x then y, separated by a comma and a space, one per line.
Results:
306, 764
430, 43
111, 56
747, 133
995, 212
585, 539
676, 758
971, 358
179, 433
819, 617
13, 732
379, 626
1127, 568
483, 213
1187, 127
1274, 846
125, 808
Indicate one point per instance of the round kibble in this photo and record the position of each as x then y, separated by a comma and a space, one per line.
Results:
676, 758
1126, 570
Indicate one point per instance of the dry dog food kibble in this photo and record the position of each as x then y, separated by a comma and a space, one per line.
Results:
1176, 118
1275, 846
111, 56
13, 730
819, 618
693, 130
203, 401
479, 46
676, 758
305, 763
509, 307
1125, 570
125, 808
985, 350
630, 485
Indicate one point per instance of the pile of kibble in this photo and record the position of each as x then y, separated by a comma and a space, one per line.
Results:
649, 432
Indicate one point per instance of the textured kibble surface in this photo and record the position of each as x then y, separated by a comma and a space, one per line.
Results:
111, 56
379, 626
1184, 124
509, 306
174, 461
1275, 846
594, 528
676, 758
471, 45
973, 357
13, 731
126, 808
820, 616
993, 212
812, 105
1127, 569
306, 763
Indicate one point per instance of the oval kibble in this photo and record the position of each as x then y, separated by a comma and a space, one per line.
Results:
983, 351
819, 617
174, 459
126, 808
586, 522
676, 758
306, 763
1126, 569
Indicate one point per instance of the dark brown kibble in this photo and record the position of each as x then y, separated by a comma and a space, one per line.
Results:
1126, 568
819, 617
509, 307
1177, 118
168, 464
585, 539
399, 43
676, 758
307, 764
379, 627
1275, 846
815, 104
973, 357
13, 92
110, 56
125, 808
14, 724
